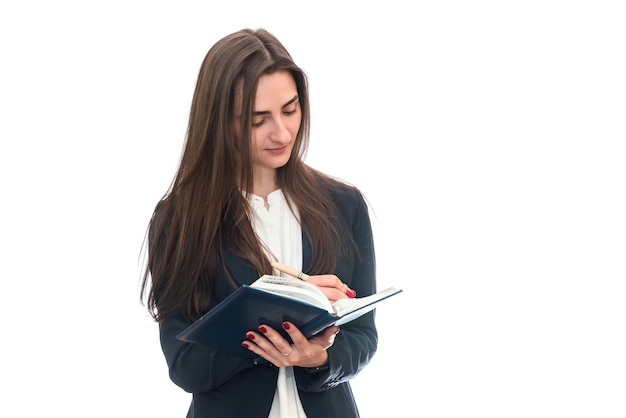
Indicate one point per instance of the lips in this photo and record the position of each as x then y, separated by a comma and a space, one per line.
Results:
277, 150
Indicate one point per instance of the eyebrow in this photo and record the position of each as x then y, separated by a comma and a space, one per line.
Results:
266, 112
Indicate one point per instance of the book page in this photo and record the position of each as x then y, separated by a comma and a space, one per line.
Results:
345, 306
295, 288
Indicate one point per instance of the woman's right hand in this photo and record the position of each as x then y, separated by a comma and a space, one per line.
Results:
269, 344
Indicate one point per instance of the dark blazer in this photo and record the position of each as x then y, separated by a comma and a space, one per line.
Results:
225, 385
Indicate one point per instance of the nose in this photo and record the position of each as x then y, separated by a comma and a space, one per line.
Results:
280, 133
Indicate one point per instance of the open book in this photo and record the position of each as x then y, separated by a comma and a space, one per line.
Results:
272, 300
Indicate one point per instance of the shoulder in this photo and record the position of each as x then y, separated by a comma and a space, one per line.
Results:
347, 197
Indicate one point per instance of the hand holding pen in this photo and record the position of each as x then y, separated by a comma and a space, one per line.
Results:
331, 285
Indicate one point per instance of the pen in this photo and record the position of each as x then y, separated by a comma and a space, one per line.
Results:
291, 271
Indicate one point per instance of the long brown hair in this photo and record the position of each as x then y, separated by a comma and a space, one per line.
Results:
204, 203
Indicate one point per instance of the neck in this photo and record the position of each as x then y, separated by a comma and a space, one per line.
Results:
264, 183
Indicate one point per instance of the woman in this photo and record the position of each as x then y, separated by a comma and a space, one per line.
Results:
241, 199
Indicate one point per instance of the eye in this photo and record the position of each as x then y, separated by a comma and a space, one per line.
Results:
258, 124
291, 112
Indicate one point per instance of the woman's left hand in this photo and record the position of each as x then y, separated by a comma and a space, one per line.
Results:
332, 287
269, 344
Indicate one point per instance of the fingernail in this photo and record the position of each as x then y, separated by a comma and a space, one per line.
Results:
245, 345
262, 329
250, 336
286, 325
351, 293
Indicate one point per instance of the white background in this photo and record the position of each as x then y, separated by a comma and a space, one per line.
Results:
488, 137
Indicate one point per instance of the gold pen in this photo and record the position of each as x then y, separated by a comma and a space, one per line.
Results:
291, 271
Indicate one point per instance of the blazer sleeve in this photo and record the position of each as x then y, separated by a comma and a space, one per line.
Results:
357, 341
199, 368
196, 367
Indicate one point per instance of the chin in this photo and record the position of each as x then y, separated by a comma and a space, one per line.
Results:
278, 163
281, 165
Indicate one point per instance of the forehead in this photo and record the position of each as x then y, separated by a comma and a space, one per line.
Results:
274, 90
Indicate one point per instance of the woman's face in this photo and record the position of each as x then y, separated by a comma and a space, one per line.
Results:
276, 118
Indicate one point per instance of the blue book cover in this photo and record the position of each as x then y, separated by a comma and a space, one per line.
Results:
225, 326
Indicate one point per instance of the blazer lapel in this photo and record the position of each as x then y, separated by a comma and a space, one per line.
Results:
307, 253
243, 273
240, 270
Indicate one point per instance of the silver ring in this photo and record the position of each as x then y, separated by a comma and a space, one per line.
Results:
288, 352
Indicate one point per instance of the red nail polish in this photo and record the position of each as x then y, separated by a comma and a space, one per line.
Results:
250, 336
286, 325
262, 329
245, 345
351, 293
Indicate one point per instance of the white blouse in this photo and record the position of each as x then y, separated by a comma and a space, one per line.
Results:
280, 231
